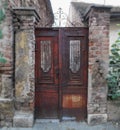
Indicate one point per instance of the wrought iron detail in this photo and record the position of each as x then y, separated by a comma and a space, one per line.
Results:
74, 55
60, 18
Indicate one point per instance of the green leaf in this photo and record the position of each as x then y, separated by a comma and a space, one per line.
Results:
2, 15
113, 78
117, 41
3, 60
112, 62
1, 35
114, 52
5, 4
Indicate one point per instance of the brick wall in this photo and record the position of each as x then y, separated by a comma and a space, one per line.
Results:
6, 70
99, 20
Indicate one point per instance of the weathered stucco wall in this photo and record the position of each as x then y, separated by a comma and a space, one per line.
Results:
24, 72
23, 89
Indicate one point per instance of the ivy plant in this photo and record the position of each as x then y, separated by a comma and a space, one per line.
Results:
2, 59
2, 15
114, 71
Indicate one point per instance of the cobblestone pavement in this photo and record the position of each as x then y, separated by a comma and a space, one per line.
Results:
68, 126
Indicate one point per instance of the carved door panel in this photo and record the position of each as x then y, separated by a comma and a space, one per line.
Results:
47, 87
61, 73
73, 81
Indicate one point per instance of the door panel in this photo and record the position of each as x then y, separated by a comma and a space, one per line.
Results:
47, 104
73, 81
46, 100
61, 73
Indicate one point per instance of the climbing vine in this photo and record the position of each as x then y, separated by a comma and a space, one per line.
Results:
2, 59
3, 5
114, 70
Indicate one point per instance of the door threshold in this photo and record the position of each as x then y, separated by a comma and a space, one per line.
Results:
65, 118
47, 120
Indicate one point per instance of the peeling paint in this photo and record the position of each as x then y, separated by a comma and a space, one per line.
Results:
19, 88
23, 40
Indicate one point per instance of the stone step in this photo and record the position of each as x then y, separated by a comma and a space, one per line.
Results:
47, 121
23, 119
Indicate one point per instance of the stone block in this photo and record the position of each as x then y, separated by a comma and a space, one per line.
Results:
22, 105
94, 119
6, 112
7, 87
23, 119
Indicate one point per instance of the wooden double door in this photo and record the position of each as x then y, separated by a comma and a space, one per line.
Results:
61, 73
